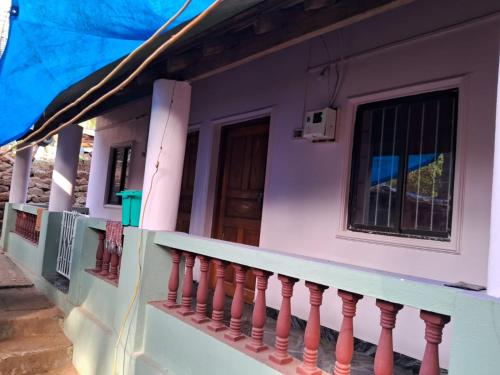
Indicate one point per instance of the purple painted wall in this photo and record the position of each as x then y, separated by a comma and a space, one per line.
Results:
423, 46
304, 204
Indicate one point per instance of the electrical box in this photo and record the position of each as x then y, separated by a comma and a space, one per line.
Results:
320, 125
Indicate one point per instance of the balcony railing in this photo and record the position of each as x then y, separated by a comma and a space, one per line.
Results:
392, 292
26, 225
171, 322
107, 264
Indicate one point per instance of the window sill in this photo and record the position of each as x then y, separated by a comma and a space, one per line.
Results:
115, 206
449, 247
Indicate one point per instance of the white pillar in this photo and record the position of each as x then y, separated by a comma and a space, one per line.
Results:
65, 168
494, 251
21, 176
166, 146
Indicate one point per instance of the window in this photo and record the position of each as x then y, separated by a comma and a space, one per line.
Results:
403, 166
118, 173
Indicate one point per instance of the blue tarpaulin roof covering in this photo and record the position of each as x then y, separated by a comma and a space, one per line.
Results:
54, 44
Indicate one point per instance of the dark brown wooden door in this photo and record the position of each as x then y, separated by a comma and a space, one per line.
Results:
187, 186
242, 173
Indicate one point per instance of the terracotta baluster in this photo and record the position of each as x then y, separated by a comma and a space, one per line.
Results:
173, 281
113, 266
23, 225
202, 292
119, 264
280, 354
100, 252
106, 259
259, 312
187, 285
312, 333
16, 228
345, 342
434, 324
219, 298
384, 358
234, 333
31, 229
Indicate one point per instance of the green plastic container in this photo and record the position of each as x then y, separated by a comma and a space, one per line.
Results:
131, 207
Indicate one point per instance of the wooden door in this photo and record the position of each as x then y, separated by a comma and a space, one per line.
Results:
187, 186
242, 172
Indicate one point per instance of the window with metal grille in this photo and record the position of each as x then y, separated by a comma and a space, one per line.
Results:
118, 173
403, 166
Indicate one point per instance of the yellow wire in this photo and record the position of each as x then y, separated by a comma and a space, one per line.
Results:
109, 75
134, 74
174, 38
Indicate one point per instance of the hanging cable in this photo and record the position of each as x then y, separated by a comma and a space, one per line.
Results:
109, 76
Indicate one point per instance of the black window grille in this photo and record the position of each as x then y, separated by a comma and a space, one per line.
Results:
403, 166
118, 173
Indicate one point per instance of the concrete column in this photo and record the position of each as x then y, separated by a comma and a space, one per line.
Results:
65, 168
21, 176
165, 154
494, 251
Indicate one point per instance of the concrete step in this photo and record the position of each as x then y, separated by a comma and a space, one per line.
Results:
15, 324
35, 355
66, 370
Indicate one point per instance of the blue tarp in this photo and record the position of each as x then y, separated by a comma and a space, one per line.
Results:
54, 44
385, 168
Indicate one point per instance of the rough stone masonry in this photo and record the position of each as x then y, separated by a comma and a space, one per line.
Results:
40, 180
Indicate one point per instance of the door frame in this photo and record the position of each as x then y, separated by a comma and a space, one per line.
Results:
214, 128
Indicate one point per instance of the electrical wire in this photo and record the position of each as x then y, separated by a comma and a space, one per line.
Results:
110, 75
150, 189
138, 283
174, 38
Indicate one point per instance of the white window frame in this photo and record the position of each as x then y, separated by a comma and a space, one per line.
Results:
453, 246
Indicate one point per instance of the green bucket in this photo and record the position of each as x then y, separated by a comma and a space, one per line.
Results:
131, 207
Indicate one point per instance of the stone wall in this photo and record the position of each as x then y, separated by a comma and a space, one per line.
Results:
40, 180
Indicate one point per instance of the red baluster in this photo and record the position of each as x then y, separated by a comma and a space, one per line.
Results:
113, 266
345, 342
23, 225
219, 298
106, 259
119, 264
173, 281
259, 312
280, 354
312, 333
30, 228
202, 292
384, 358
434, 324
100, 252
234, 333
187, 285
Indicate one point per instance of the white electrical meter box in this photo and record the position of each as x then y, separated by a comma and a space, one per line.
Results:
320, 125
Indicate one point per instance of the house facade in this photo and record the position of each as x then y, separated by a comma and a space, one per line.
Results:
404, 188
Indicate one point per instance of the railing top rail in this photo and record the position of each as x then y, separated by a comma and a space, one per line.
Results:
28, 208
420, 293
96, 223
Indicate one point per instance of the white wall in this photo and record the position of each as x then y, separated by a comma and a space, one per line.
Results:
127, 124
305, 185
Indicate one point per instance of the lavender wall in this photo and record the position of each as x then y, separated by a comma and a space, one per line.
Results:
304, 204
305, 193
123, 125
